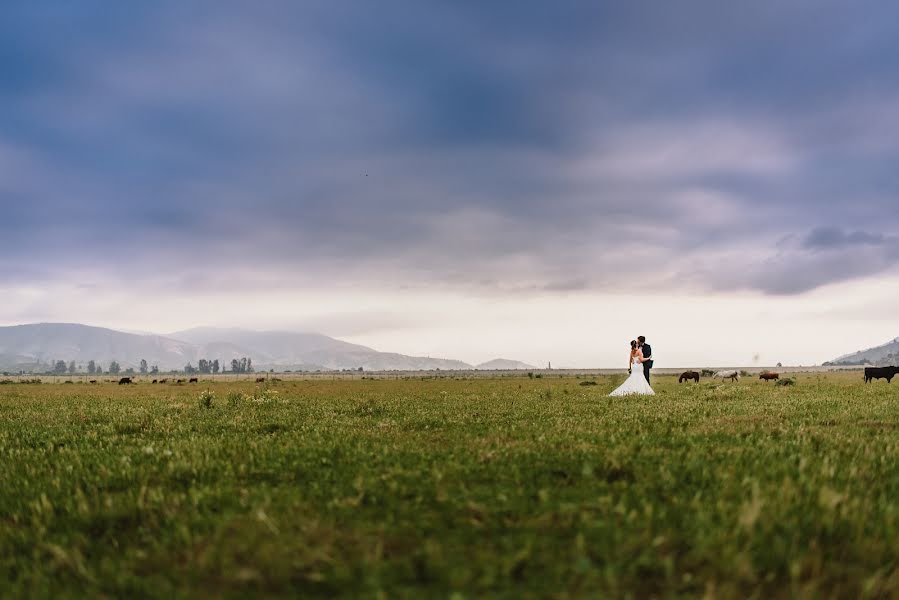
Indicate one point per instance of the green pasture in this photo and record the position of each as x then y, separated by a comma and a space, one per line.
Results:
450, 488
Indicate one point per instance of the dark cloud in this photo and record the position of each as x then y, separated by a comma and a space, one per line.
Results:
826, 238
563, 147
803, 263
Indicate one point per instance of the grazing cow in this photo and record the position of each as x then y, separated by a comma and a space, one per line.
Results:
163, 381
260, 380
770, 376
180, 381
872, 373
93, 381
732, 375
194, 380
154, 381
125, 380
687, 376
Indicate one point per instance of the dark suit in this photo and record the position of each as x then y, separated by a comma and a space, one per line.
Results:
647, 364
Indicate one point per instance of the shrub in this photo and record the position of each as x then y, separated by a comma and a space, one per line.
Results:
707, 373
786, 381
207, 398
587, 383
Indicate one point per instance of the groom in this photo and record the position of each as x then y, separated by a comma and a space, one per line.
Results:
647, 356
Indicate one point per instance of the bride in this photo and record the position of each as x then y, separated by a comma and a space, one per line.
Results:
636, 383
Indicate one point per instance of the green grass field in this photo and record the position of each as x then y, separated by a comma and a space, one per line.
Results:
450, 488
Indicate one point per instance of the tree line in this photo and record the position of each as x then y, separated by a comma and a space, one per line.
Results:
204, 366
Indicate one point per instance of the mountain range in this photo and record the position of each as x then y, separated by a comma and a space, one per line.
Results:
33, 347
885, 354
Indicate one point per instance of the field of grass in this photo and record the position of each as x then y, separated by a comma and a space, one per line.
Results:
450, 488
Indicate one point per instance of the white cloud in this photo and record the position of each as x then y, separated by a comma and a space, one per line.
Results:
688, 148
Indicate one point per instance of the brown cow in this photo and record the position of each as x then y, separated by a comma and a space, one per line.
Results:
260, 380
687, 376
770, 376
194, 380
163, 381
125, 380
93, 381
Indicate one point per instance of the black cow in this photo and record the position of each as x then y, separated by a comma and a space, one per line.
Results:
687, 376
872, 373
125, 380
194, 380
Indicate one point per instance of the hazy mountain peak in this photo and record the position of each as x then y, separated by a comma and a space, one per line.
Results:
503, 364
39, 343
878, 355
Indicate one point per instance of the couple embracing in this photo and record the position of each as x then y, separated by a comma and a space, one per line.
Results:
639, 365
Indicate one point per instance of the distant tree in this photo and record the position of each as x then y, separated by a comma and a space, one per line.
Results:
779, 365
143, 366
154, 369
129, 371
114, 368
203, 366
99, 370
189, 369
238, 365
60, 367
72, 367
91, 367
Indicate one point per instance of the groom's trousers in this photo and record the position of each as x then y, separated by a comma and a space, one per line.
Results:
647, 366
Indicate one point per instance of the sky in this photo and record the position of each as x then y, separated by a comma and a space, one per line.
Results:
541, 181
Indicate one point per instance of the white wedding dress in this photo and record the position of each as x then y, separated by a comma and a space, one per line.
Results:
635, 384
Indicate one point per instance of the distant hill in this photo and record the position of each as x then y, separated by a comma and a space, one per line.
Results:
33, 347
24, 346
887, 354
503, 364
285, 349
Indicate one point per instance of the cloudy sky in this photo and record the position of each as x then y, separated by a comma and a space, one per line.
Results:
537, 180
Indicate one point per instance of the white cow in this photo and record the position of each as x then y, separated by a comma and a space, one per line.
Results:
732, 375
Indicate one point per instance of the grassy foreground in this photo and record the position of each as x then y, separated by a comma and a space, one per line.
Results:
450, 489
